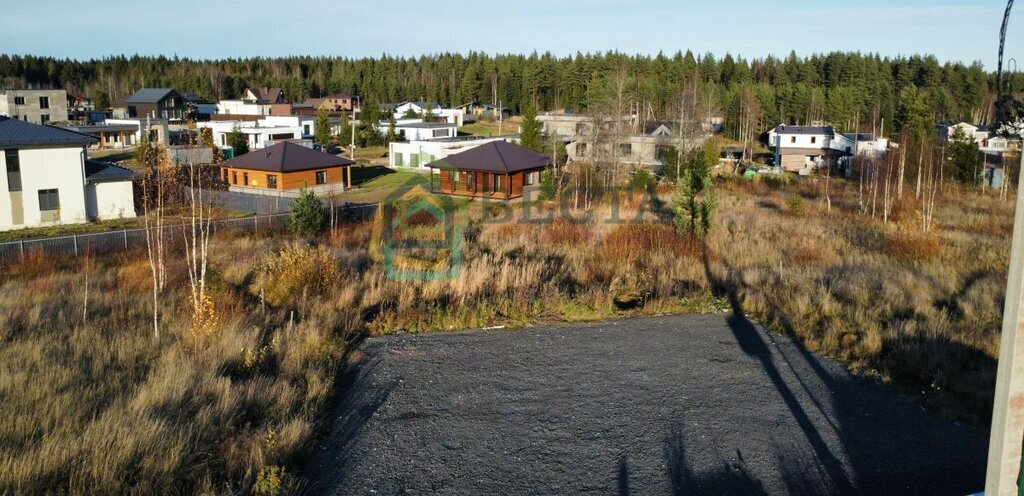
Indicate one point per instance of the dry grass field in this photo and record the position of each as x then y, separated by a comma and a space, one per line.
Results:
92, 402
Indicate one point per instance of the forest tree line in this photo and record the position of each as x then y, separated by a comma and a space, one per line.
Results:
850, 90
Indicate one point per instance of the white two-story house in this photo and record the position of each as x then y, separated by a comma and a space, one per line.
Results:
47, 179
804, 148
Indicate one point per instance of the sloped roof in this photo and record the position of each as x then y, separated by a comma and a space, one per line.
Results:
496, 156
150, 95
286, 157
15, 133
784, 129
98, 172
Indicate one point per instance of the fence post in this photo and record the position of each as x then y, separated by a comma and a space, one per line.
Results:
21, 246
125, 232
75, 237
256, 223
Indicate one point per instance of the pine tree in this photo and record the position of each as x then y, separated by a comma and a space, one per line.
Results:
324, 136
306, 214
529, 130
238, 141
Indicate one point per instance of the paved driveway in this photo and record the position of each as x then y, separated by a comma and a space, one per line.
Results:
666, 405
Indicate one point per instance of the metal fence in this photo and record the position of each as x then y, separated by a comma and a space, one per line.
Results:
126, 239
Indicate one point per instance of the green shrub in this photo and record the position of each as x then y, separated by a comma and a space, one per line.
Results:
296, 271
642, 180
547, 185
776, 181
795, 205
270, 481
307, 214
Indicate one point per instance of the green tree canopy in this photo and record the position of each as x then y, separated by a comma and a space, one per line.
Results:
323, 133
306, 214
239, 141
529, 130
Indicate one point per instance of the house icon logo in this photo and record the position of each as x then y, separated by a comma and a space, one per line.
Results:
415, 235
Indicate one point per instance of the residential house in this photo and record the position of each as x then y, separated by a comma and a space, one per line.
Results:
110, 135
199, 108
243, 107
163, 103
417, 130
47, 178
566, 127
156, 130
869, 145
259, 134
487, 110
340, 102
264, 95
287, 167
37, 106
495, 170
947, 130
422, 109
78, 107
119, 108
805, 148
642, 145
416, 155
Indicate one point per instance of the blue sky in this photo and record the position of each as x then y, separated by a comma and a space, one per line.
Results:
964, 30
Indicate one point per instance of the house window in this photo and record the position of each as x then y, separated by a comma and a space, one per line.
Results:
44, 118
19, 100
792, 139
245, 178
414, 160
626, 149
44, 102
49, 199
272, 181
441, 133
13, 170
224, 175
398, 159
532, 178
469, 182
305, 129
234, 177
581, 150
497, 182
455, 176
321, 177
814, 139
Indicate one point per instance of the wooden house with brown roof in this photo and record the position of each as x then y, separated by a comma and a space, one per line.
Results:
497, 170
287, 166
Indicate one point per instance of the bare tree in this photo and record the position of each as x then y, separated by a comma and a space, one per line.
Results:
196, 235
154, 198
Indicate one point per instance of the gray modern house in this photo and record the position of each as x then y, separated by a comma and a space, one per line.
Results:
37, 106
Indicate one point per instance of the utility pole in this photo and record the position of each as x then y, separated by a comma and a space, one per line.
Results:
1004, 455
1004, 452
352, 146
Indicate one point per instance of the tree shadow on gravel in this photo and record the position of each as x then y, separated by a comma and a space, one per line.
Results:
730, 478
346, 416
881, 444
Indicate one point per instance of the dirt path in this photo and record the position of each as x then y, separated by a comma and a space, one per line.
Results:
666, 405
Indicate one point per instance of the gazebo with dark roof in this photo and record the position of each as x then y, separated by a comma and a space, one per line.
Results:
287, 166
498, 169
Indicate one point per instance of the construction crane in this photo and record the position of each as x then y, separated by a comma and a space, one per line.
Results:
1009, 110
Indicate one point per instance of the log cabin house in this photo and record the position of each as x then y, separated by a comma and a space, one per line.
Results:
496, 170
287, 166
